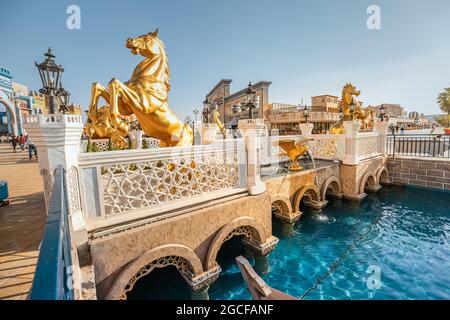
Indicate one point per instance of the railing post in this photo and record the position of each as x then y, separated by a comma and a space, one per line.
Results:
252, 130
57, 138
351, 134
381, 128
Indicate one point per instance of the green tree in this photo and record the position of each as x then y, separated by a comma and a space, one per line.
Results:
443, 101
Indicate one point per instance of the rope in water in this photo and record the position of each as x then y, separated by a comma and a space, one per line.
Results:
340, 259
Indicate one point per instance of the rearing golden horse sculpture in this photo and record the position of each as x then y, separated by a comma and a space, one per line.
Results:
145, 95
349, 94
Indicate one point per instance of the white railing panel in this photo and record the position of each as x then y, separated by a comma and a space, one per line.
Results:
138, 179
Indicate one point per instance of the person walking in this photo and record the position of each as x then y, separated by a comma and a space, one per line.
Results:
31, 148
402, 130
14, 144
21, 141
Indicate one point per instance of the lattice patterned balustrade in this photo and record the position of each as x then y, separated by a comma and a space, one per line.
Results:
130, 180
327, 147
368, 145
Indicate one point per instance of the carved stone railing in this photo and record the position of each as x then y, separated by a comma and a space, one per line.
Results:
49, 119
149, 182
105, 145
368, 145
350, 148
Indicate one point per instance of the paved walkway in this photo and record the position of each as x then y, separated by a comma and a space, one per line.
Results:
21, 223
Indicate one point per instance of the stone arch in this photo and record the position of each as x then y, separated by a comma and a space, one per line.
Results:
246, 226
383, 175
370, 179
282, 203
183, 258
332, 182
10, 108
310, 190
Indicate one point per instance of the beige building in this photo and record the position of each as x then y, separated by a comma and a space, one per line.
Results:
325, 103
225, 100
392, 110
287, 117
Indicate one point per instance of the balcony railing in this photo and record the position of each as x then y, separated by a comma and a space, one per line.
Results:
52, 279
409, 145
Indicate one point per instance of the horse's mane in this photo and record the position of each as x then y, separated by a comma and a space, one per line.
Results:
166, 63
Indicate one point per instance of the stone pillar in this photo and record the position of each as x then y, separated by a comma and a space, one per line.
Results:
252, 130
58, 138
200, 294
351, 133
381, 128
261, 252
200, 285
287, 229
136, 138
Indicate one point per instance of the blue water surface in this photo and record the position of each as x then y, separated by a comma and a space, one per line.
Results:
398, 236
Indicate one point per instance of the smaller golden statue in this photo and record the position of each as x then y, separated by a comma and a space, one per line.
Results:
294, 150
219, 123
349, 94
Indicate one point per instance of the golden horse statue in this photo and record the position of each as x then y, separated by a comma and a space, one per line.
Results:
294, 150
145, 95
349, 94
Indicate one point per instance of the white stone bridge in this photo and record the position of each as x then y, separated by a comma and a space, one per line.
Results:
132, 211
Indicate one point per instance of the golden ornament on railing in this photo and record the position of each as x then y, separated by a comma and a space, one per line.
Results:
349, 94
294, 150
144, 95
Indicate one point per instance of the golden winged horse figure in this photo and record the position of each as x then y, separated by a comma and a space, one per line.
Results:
145, 95
294, 150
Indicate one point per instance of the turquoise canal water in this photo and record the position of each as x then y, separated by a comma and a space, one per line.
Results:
399, 236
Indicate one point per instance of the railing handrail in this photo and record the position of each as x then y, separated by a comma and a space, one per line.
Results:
136, 155
51, 275
419, 145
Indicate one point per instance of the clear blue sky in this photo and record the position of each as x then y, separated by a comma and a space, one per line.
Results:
304, 47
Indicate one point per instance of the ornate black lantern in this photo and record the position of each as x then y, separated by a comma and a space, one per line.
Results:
64, 96
50, 74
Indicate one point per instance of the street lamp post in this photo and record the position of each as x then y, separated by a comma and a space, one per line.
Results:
206, 110
195, 114
250, 105
306, 114
382, 112
352, 109
50, 74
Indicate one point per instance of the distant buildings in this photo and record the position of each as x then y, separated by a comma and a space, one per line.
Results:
225, 101
323, 112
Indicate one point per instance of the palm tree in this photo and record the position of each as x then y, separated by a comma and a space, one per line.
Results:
444, 103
